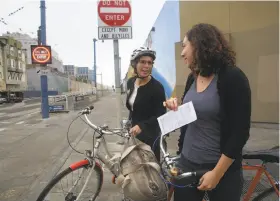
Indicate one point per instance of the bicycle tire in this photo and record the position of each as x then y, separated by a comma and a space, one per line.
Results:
265, 193
70, 169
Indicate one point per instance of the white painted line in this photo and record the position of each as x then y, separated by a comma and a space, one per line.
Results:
5, 122
113, 10
32, 105
2, 129
33, 113
21, 122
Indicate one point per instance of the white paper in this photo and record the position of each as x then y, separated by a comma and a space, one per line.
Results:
173, 120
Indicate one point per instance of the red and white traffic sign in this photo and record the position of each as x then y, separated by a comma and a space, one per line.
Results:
114, 13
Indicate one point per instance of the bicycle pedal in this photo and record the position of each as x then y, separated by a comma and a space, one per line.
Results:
114, 179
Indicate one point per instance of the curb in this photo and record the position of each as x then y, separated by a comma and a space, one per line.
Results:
41, 181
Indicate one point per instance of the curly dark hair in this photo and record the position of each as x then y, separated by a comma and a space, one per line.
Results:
212, 51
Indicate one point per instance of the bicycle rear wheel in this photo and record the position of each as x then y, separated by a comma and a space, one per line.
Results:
267, 195
72, 193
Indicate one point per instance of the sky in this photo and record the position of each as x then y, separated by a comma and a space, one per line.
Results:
72, 25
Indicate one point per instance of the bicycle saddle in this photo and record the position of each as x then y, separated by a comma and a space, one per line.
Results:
266, 155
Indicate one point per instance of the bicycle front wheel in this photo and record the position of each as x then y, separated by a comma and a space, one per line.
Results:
268, 195
88, 178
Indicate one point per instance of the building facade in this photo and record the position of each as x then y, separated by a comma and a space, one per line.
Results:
82, 73
252, 29
69, 70
26, 41
13, 65
91, 75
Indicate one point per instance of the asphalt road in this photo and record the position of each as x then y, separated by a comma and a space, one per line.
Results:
28, 112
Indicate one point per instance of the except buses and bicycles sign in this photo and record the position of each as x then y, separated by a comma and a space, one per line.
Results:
41, 54
114, 19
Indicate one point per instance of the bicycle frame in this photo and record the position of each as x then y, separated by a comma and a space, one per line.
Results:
260, 170
107, 158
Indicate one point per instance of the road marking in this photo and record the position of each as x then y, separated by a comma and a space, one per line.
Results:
2, 129
21, 122
5, 122
33, 113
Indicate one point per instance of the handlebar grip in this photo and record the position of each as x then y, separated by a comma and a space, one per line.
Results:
200, 173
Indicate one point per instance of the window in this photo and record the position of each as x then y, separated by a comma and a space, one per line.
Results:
19, 65
19, 54
23, 56
13, 63
12, 51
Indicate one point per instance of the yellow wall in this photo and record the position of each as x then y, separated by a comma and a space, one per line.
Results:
76, 86
253, 30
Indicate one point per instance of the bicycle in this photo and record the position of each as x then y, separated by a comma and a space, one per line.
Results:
254, 185
94, 158
253, 188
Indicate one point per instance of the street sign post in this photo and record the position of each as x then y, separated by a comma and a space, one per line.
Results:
115, 23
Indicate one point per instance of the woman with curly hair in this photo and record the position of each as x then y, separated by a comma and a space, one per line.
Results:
221, 95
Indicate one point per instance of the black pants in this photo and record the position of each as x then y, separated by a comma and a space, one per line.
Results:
228, 189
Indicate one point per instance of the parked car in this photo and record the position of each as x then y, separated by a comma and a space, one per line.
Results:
3, 100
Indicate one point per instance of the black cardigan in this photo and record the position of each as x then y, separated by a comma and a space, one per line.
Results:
235, 100
148, 106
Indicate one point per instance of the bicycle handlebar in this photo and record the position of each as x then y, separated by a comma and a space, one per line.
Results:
173, 171
103, 130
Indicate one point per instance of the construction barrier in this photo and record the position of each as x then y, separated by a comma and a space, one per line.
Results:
69, 100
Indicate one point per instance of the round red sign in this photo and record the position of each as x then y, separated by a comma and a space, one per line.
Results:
114, 12
41, 54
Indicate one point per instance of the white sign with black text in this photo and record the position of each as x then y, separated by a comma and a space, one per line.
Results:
109, 33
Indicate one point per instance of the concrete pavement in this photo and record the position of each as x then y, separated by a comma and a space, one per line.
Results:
29, 146
29, 158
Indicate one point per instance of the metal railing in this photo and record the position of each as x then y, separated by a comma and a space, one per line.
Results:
68, 100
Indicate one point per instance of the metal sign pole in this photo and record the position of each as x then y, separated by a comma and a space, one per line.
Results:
94, 67
117, 81
115, 23
44, 78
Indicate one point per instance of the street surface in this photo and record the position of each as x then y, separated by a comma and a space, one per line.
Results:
19, 114
32, 150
